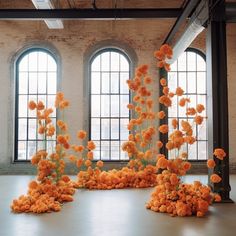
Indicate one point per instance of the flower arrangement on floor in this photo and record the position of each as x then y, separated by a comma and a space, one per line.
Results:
171, 195
147, 167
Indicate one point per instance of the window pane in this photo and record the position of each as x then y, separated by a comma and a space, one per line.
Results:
123, 84
95, 129
96, 64
192, 151
22, 129
182, 81
33, 61
124, 64
114, 61
33, 78
23, 65
114, 82
52, 83
115, 128
115, 105
23, 106
172, 80
42, 82
115, 148
95, 83
105, 61
31, 149
32, 130
96, 152
105, 128
124, 100
105, 150
202, 150
172, 111
201, 82
42, 61
23, 83
201, 64
21, 154
95, 105
191, 76
50, 103
191, 61
105, 82
182, 62
52, 65
202, 131
32, 113
123, 129
105, 106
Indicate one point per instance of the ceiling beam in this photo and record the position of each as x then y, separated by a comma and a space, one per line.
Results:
89, 14
230, 10
190, 6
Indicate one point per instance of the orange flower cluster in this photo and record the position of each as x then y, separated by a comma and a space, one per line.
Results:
164, 53
178, 199
45, 196
117, 179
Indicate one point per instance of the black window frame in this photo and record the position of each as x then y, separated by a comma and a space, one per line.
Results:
16, 100
164, 137
99, 52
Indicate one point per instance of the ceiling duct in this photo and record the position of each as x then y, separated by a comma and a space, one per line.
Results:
47, 4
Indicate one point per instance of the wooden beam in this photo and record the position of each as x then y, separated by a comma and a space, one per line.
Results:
89, 14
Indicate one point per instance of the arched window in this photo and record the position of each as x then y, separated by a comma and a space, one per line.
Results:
189, 72
109, 96
36, 79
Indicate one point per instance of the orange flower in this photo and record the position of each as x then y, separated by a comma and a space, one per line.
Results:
183, 101
79, 162
219, 153
90, 155
147, 80
211, 163
167, 66
163, 129
61, 139
165, 100
215, 178
159, 144
186, 166
198, 120
99, 164
179, 91
161, 114
63, 104
191, 111
41, 130
163, 82
51, 130
130, 106
166, 50
159, 55
162, 163
165, 90
91, 145
81, 134
217, 198
200, 108
88, 163
32, 105
62, 125
40, 106
174, 123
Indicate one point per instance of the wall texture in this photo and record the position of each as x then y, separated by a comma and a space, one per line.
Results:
74, 44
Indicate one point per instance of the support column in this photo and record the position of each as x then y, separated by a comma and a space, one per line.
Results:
217, 91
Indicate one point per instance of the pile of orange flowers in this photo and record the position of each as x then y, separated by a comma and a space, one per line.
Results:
52, 187
117, 179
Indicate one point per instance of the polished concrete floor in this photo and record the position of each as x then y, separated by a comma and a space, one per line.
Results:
110, 213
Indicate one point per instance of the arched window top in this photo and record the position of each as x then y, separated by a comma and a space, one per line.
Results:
35, 79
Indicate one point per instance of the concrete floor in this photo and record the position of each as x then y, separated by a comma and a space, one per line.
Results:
110, 213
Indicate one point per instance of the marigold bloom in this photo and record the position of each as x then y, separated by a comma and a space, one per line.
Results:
198, 120
79, 162
179, 91
161, 114
51, 130
182, 102
165, 100
167, 66
215, 178
165, 90
32, 105
191, 111
63, 104
200, 108
211, 164
159, 144
174, 123
219, 153
147, 80
130, 106
159, 55
90, 155
61, 139
163, 129
62, 125
99, 164
40, 106
162, 163
88, 163
91, 145
163, 82
166, 50
171, 95
81, 134
217, 198
41, 129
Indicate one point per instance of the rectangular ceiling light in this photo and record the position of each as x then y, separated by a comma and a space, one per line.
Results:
47, 4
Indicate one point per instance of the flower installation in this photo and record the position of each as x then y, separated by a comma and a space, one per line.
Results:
147, 166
